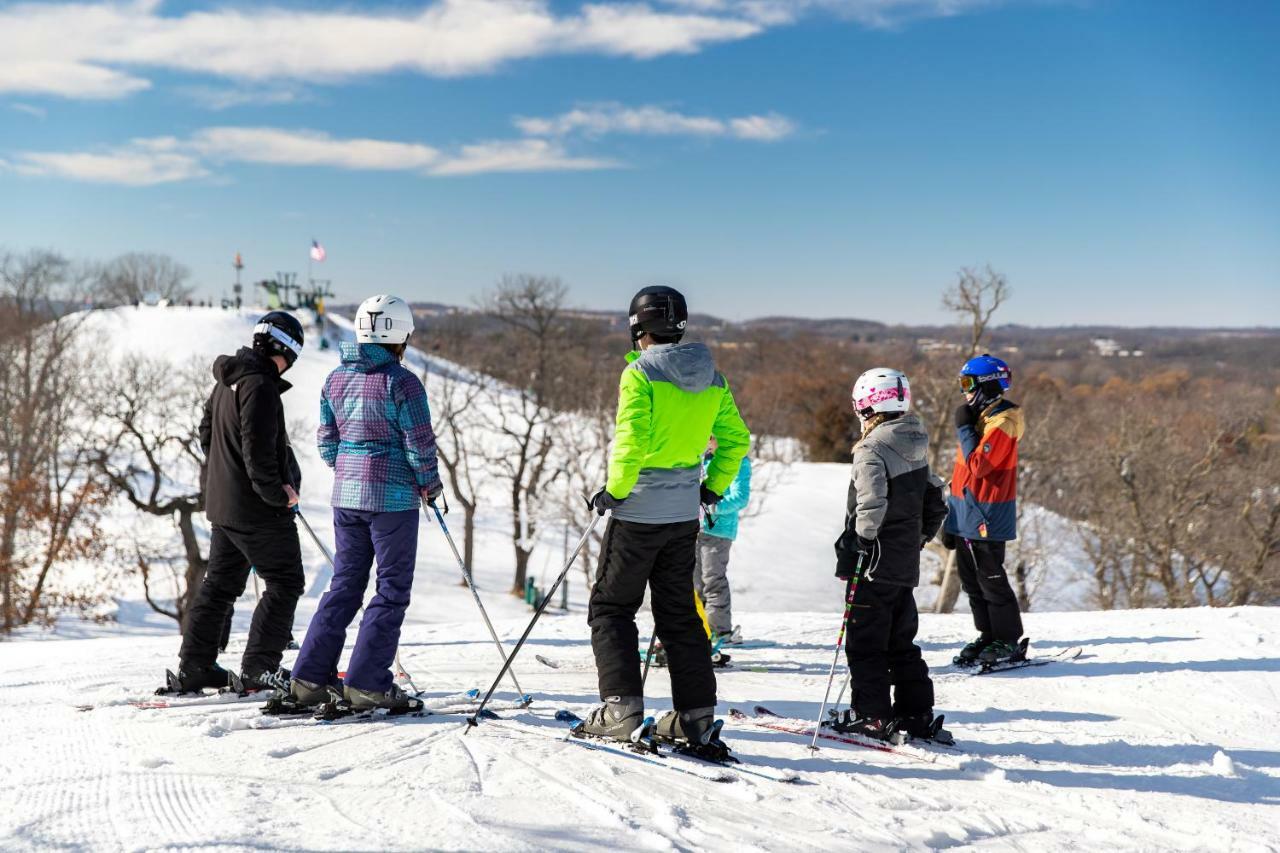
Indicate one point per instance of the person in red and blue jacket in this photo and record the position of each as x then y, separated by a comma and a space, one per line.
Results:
982, 509
375, 432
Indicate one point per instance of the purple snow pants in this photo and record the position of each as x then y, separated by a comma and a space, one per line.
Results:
392, 539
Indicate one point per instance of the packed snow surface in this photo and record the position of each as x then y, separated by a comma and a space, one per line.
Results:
1162, 735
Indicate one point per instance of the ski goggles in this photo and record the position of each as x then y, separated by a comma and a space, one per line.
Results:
969, 384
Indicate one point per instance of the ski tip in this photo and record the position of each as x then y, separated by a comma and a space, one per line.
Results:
474, 692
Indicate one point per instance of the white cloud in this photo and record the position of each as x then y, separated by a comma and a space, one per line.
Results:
215, 98
30, 109
102, 50
308, 148
601, 119
81, 50
167, 159
133, 166
520, 155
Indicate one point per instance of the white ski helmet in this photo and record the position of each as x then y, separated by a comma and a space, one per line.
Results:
383, 320
881, 389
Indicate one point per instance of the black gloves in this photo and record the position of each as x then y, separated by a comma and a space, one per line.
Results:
966, 415
431, 494
948, 541
602, 501
707, 497
851, 553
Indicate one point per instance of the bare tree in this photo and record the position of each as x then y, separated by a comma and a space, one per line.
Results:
150, 455
131, 277
457, 425
974, 299
48, 497
521, 404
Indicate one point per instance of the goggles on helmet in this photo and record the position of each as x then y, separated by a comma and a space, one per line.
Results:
969, 384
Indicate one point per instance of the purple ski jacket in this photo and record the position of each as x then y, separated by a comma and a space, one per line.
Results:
375, 432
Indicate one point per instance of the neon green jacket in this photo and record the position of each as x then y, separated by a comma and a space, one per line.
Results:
671, 399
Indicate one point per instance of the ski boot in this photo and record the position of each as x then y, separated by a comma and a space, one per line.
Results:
969, 654
875, 728
620, 718
297, 697
719, 659
246, 683
998, 653
394, 701
695, 732
729, 638
192, 678
925, 727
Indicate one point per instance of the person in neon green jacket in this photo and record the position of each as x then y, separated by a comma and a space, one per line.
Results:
670, 398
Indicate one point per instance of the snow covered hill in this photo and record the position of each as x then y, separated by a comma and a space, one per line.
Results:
1162, 735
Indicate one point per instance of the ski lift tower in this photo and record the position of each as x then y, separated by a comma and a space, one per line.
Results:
238, 290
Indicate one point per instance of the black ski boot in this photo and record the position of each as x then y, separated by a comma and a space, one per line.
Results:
694, 732
998, 653
246, 682
876, 728
394, 701
620, 718
192, 678
298, 697
969, 654
924, 727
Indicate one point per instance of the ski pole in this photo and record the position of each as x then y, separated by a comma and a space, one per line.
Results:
648, 656
466, 576
334, 567
844, 621
474, 719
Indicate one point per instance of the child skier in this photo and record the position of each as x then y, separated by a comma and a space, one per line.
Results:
671, 397
375, 432
715, 539
895, 506
982, 509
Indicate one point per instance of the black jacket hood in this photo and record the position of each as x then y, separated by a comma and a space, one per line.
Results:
230, 369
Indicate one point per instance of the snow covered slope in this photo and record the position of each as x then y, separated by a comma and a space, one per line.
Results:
1162, 736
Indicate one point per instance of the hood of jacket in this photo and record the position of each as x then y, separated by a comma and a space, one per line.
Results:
230, 369
687, 366
365, 358
905, 436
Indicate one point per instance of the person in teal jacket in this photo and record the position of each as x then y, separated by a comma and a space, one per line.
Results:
719, 529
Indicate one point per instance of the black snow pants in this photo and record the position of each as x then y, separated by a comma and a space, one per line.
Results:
660, 556
880, 644
991, 599
273, 551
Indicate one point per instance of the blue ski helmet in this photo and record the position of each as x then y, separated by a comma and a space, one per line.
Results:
982, 369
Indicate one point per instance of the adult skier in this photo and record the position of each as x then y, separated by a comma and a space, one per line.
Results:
715, 539
982, 508
251, 482
894, 507
375, 432
670, 398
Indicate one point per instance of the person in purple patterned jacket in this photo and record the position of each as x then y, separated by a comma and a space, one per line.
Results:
375, 432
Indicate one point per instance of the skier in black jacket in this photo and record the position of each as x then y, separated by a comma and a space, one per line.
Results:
251, 480
895, 506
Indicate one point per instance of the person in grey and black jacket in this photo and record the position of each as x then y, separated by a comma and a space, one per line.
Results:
895, 506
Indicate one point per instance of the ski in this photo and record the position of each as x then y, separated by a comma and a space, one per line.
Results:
766, 719
1039, 660
645, 750
730, 767
189, 700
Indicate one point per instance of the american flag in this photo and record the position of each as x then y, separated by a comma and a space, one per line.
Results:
317, 251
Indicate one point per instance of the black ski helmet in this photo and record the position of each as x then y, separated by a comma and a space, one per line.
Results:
279, 333
658, 310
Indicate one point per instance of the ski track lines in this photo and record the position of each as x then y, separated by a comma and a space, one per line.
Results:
1166, 745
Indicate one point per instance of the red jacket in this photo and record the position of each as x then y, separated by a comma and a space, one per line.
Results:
984, 484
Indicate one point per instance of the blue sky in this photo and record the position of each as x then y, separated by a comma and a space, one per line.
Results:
815, 157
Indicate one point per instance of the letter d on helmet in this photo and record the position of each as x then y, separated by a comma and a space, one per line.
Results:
383, 319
